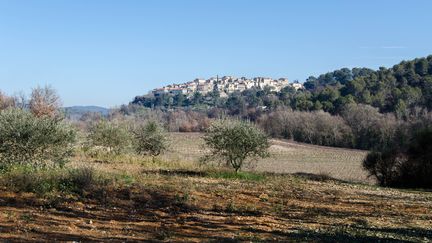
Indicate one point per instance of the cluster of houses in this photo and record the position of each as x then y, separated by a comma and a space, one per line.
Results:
224, 85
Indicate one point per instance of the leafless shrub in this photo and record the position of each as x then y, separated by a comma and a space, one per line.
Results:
311, 127
44, 102
6, 101
371, 128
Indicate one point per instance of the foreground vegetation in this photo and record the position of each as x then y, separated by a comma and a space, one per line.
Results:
137, 199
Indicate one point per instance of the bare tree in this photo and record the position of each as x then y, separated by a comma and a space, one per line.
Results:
6, 101
44, 101
319, 127
20, 100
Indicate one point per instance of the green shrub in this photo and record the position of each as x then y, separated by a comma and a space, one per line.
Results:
408, 166
37, 141
248, 176
113, 136
81, 178
150, 139
235, 141
385, 166
48, 180
29, 179
420, 154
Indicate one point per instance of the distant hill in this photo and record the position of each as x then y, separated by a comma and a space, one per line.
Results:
404, 88
75, 112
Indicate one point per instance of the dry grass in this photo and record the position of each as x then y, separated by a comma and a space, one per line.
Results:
287, 157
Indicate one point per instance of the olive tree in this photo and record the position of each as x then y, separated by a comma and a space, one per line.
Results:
150, 139
28, 139
113, 136
234, 142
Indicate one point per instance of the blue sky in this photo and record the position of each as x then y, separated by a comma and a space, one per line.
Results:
103, 52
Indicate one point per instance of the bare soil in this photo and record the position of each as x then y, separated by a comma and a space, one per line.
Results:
186, 208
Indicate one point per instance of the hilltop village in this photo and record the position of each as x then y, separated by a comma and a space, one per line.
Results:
225, 85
